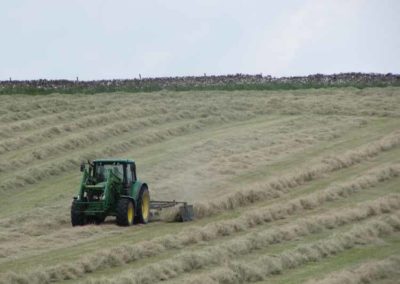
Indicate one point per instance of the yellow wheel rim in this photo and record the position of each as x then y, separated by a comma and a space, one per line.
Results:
130, 213
145, 205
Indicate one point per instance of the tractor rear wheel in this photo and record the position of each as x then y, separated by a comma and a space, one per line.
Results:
125, 212
77, 218
144, 206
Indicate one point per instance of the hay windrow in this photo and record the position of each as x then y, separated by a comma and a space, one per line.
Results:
262, 267
97, 130
281, 185
55, 118
33, 175
126, 254
59, 130
368, 272
372, 178
234, 110
76, 142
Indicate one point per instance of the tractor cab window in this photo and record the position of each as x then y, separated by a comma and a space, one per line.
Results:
101, 170
133, 170
128, 174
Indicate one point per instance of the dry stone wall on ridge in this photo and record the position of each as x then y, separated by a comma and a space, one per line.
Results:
240, 81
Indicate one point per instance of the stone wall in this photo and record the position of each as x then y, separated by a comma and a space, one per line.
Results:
199, 82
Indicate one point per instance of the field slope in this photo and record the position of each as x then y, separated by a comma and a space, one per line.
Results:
288, 186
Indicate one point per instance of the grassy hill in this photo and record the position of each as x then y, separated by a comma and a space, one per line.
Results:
288, 186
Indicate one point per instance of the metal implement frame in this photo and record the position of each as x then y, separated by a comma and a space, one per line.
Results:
156, 204
185, 210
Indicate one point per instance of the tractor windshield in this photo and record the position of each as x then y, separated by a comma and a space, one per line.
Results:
101, 169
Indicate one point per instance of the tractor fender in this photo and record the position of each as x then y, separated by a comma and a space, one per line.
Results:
128, 197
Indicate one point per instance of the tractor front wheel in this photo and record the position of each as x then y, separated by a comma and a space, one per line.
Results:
144, 206
77, 218
125, 212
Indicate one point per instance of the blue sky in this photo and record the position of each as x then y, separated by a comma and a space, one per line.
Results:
96, 39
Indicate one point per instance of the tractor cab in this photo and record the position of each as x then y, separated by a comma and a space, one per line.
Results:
125, 170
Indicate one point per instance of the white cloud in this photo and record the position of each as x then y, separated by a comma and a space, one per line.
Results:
153, 60
277, 49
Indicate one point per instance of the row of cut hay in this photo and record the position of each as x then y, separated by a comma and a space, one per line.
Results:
58, 119
265, 102
335, 102
333, 105
127, 110
73, 105
281, 134
57, 219
228, 158
13, 113
25, 116
280, 185
25, 104
312, 200
33, 228
34, 174
23, 107
343, 103
111, 124
368, 272
16, 245
331, 109
82, 119
9, 130
75, 108
262, 103
261, 268
214, 230
37, 173
101, 104
195, 235
63, 130
236, 153
370, 179
244, 271
123, 121
120, 255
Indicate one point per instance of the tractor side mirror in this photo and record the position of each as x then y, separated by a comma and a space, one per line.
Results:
82, 168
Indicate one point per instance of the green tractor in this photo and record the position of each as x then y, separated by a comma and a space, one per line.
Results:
110, 187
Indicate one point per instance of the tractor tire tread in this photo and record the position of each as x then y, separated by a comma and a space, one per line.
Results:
77, 219
121, 212
140, 218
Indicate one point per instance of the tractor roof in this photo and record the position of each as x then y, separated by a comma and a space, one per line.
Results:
122, 161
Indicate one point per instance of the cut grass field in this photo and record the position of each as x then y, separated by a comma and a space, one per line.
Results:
287, 186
